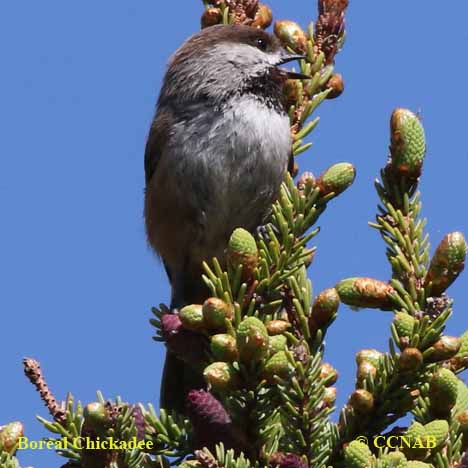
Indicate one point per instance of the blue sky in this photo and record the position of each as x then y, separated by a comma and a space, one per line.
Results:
78, 87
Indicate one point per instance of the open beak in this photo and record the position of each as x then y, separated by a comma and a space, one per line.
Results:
288, 74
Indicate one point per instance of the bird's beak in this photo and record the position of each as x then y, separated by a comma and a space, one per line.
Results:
290, 58
288, 74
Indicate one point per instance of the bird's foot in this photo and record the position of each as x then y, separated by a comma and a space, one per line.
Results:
263, 231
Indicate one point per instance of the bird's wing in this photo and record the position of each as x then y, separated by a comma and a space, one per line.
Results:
157, 139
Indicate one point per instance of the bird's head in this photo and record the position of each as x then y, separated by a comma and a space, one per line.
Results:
226, 60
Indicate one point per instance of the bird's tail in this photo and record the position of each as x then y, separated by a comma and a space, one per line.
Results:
177, 381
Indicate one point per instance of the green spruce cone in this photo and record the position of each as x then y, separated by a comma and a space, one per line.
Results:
336, 179
366, 293
416, 437
252, 339
224, 348
404, 324
215, 313
357, 455
242, 250
277, 365
444, 348
221, 376
460, 360
447, 263
418, 464
462, 397
408, 143
9, 437
443, 391
277, 343
191, 317
291, 35
393, 460
463, 351
437, 431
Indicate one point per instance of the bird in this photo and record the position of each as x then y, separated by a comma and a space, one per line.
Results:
217, 151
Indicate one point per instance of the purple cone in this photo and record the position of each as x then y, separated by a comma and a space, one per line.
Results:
185, 344
212, 423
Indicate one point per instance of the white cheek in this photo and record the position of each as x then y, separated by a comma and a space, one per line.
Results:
245, 55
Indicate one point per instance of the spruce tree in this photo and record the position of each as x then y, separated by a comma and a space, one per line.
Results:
259, 339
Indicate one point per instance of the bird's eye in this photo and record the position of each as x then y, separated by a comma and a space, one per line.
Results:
261, 43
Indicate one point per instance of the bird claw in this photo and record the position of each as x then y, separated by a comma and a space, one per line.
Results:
262, 231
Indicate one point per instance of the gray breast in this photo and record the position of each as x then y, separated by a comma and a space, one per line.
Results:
238, 155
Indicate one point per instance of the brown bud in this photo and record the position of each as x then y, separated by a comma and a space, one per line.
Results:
291, 92
364, 371
10, 435
295, 169
309, 259
370, 355
210, 17
328, 374
445, 348
215, 313
291, 35
329, 397
313, 326
221, 376
336, 84
263, 16
411, 359
463, 421
306, 182
361, 401
276, 327
325, 306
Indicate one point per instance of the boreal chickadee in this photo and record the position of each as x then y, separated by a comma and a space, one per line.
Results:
217, 152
